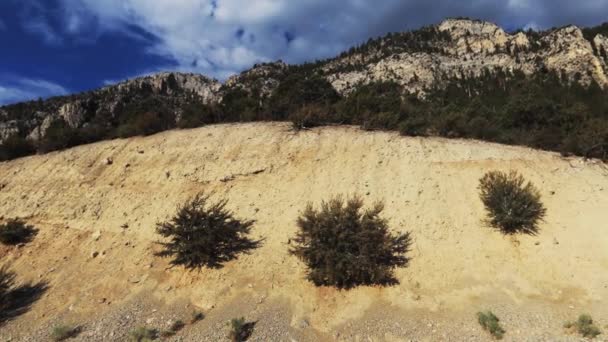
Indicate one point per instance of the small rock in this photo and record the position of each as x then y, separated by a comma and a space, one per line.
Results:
555, 242
94, 254
96, 235
303, 324
109, 161
537, 243
250, 286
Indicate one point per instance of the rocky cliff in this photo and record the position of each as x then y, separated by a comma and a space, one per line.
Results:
468, 48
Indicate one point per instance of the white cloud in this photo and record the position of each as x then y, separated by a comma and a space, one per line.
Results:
201, 35
15, 90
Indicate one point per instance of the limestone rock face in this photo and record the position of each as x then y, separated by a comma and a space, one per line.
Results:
7, 129
171, 82
72, 113
570, 53
475, 47
260, 80
38, 132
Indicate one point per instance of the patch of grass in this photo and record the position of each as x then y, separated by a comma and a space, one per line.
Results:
490, 323
240, 330
64, 332
143, 334
16, 231
584, 326
196, 316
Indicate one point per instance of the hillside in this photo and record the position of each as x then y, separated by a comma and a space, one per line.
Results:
96, 207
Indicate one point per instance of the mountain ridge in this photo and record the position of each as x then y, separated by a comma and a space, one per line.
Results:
419, 61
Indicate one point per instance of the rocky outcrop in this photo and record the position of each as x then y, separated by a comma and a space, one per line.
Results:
261, 80
171, 83
476, 47
73, 113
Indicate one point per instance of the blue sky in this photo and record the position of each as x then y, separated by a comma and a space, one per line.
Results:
54, 47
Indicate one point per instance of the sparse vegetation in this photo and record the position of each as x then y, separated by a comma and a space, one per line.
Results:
16, 146
240, 330
64, 332
196, 316
143, 334
173, 329
584, 326
512, 204
345, 246
203, 233
491, 324
16, 231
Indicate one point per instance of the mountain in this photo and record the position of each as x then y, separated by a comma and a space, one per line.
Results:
429, 64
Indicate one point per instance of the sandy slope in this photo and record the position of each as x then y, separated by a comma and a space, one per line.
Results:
81, 204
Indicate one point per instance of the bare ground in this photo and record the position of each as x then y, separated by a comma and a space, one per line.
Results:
95, 249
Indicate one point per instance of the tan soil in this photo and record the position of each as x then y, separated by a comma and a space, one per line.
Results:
459, 266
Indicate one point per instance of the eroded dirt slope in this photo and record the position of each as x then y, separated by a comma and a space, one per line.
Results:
96, 207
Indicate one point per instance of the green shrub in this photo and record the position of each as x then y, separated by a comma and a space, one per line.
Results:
490, 323
240, 330
344, 246
143, 334
16, 146
16, 231
584, 326
205, 234
512, 205
64, 332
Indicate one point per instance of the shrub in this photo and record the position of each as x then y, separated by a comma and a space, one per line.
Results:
584, 326
490, 323
344, 246
64, 332
205, 234
15, 147
310, 116
143, 334
512, 206
196, 316
240, 330
16, 231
